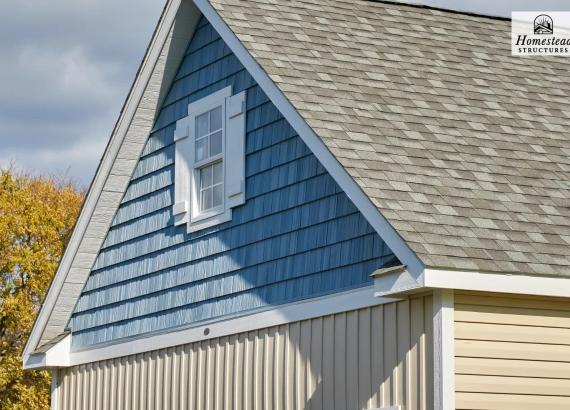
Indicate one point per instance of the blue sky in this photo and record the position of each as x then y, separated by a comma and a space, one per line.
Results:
67, 65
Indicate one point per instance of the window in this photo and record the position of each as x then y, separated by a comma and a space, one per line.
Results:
211, 187
210, 160
209, 134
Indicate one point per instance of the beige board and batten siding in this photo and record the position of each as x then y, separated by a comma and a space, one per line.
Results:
366, 358
512, 352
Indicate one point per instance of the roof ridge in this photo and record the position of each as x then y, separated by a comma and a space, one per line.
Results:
452, 11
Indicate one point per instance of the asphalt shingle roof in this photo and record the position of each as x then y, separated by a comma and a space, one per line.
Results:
464, 148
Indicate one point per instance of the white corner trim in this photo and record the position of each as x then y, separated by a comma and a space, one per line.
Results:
399, 282
293, 312
313, 141
54, 390
443, 350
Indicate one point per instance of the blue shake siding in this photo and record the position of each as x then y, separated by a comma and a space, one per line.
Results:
297, 236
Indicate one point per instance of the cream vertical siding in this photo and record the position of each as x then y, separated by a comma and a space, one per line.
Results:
512, 352
360, 359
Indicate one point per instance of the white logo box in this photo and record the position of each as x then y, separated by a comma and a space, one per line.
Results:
535, 33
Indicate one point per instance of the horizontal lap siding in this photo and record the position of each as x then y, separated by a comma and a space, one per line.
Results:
512, 352
297, 236
360, 359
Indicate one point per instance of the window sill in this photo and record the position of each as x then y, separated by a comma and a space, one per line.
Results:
207, 221
211, 213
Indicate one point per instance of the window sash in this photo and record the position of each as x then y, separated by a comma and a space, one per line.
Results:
205, 193
209, 188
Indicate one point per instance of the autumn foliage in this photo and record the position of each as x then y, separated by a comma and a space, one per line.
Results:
36, 219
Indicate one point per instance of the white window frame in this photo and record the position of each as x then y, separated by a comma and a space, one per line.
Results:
186, 207
198, 108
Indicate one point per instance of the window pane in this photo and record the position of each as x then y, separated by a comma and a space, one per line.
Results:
218, 173
201, 149
216, 119
206, 177
218, 195
216, 143
206, 199
202, 125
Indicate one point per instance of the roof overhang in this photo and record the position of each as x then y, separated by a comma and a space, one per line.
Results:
400, 281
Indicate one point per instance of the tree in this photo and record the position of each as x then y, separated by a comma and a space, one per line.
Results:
37, 216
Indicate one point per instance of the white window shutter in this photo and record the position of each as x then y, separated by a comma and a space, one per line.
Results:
235, 150
183, 161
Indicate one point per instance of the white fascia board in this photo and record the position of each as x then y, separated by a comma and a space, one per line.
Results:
293, 312
314, 142
524, 284
179, 18
498, 282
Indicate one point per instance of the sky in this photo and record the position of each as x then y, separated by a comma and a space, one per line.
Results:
67, 66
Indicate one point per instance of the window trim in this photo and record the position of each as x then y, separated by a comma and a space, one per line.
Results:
185, 207
189, 187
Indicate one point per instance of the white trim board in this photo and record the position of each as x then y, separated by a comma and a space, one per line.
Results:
293, 312
54, 402
155, 74
402, 282
314, 142
443, 350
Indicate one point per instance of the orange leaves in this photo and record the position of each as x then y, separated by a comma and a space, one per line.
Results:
37, 216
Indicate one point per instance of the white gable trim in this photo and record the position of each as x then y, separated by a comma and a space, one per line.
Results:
292, 312
313, 141
153, 80
404, 281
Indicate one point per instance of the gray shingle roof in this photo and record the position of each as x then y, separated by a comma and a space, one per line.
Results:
464, 148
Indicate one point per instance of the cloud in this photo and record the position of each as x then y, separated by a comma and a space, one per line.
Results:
65, 72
